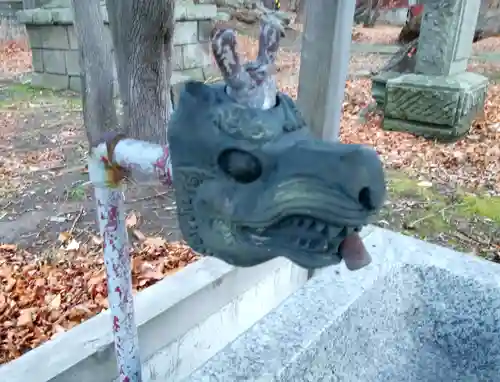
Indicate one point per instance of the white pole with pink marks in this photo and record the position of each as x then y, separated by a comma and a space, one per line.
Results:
110, 163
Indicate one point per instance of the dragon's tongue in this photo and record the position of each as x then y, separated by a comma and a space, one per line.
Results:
354, 253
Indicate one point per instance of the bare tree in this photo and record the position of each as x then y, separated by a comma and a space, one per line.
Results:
142, 32
269, 4
96, 61
29, 4
301, 11
367, 12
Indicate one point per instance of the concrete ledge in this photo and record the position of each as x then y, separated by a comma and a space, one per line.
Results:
419, 312
183, 321
64, 16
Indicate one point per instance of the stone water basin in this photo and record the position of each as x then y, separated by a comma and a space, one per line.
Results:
419, 313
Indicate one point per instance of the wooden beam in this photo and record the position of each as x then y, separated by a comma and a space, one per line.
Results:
324, 66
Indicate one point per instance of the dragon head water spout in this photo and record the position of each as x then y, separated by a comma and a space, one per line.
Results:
252, 183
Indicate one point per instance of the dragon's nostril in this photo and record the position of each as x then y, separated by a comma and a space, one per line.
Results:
240, 165
364, 198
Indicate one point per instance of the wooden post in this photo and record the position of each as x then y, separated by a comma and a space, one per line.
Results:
324, 64
29, 4
326, 45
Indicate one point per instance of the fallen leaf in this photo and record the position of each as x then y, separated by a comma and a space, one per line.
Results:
155, 242
58, 219
139, 235
8, 247
97, 240
64, 237
73, 245
55, 304
5, 271
131, 220
424, 184
26, 317
11, 282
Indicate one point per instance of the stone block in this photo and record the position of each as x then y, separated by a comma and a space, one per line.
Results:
439, 132
35, 36
430, 102
223, 16
379, 84
37, 60
62, 16
177, 84
50, 81
186, 33
189, 12
25, 16
73, 41
211, 73
177, 60
75, 84
194, 74
196, 56
42, 16
419, 312
54, 4
178, 77
54, 37
204, 29
54, 61
73, 62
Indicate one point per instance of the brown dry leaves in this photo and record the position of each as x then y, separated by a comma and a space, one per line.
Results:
39, 300
491, 44
473, 162
381, 34
15, 58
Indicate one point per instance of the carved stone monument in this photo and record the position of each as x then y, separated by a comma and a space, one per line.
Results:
252, 183
440, 100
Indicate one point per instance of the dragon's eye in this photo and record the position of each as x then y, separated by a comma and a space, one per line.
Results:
240, 165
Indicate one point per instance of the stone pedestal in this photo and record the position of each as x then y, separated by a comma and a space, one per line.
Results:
435, 107
379, 85
441, 99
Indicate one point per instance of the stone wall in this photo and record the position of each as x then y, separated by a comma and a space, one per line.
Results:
8, 8
394, 16
55, 48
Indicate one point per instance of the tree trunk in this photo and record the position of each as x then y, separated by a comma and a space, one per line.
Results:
29, 4
372, 14
142, 34
301, 11
96, 62
269, 4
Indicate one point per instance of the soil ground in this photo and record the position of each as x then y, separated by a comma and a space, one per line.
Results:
45, 186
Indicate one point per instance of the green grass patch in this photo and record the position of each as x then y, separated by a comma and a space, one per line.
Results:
453, 218
18, 94
485, 206
75, 193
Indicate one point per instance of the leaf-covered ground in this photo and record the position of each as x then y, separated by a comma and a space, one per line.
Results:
51, 266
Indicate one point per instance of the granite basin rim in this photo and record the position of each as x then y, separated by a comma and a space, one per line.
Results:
417, 308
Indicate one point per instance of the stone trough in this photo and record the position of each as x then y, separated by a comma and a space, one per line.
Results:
418, 313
